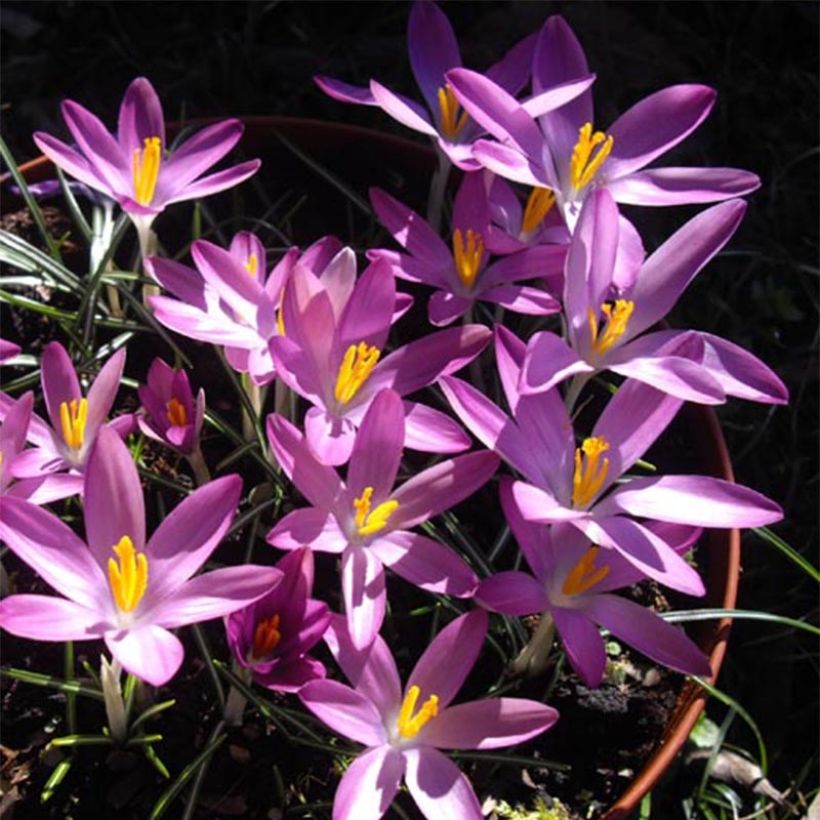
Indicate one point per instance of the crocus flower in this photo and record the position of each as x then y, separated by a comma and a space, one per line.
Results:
433, 51
403, 729
333, 359
172, 415
133, 166
560, 150
8, 350
606, 323
272, 636
462, 275
571, 584
368, 522
116, 586
39, 490
563, 482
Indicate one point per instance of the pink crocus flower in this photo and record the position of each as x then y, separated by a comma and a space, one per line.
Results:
560, 149
403, 729
332, 356
133, 166
463, 274
368, 522
607, 323
563, 482
272, 636
116, 586
571, 584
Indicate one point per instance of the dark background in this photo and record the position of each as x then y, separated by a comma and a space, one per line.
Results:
244, 58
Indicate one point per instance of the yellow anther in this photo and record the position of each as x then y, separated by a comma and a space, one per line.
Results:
266, 637
583, 166
452, 122
617, 317
370, 521
177, 417
590, 470
145, 167
128, 577
538, 206
467, 255
73, 415
408, 724
357, 364
252, 265
583, 576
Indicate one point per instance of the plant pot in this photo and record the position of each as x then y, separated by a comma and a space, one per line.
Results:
358, 158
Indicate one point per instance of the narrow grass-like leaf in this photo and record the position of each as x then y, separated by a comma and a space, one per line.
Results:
790, 552
512, 760
205, 651
55, 778
37, 679
154, 760
73, 208
686, 615
81, 740
37, 307
150, 712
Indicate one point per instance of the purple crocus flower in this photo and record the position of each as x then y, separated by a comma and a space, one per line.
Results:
333, 359
116, 586
606, 323
560, 150
368, 522
172, 415
568, 483
462, 275
132, 167
272, 636
403, 730
571, 585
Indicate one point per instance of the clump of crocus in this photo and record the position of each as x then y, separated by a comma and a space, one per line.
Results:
116, 586
403, 729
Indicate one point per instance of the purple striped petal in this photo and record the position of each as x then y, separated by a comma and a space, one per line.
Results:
140, 116
59, 380
511, 163
46, 618
583, 644
71, 162
330, 437
344, 710
682, 186
431, 431
549, 361
364, 594
512, 593
370, 783
102, 393
214, 183
433, 49
438, 786
312, 527
344, 92
149, 652
402, 109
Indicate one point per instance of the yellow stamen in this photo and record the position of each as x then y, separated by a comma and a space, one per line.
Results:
408, 724
266, 637
583, 576
583, 166
177, 416
129, 577
371, 521
590, 472
467, 255
617, 317
252, 265
357, 364
145, 167
539, 203
452, 122
73, 415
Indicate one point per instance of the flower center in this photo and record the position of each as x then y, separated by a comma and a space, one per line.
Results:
177, 417
73, 415
357, 365
266, 637
408, 724
617, 316
145, 167
452, 119
252, 265
583, 576
128, 577
586, 160
467, 255
590, 470
371, 521
538, 206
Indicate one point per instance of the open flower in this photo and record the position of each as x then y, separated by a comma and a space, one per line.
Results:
116, 586
367, 521
404, 729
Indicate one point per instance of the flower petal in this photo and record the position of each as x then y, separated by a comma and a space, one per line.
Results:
512, 593
344, 710
444, 307
150, 652
432, 431
103, 391
140, 116
330, 437
549, 361
438, 786
369, 784
46, 618
403, 110
59, 380
582, 643
682, 186
364, 595
511, 163
312, 527
433, 49
344, 92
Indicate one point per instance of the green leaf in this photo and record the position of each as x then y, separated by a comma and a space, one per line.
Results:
790, 552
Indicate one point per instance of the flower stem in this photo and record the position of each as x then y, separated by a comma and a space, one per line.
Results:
254, 394
438, 185
574, 390
534, 657
236, 701
202, 474
148, 247
114, 703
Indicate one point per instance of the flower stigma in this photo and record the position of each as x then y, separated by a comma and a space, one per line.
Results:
617, 317
145, 167
584, 165
539, 203
252, 265
177, 417
590, 470
357, 365
266, 637
73, 416
408, 724
452, 122
372, 521
467, 255
583, 576
128, 577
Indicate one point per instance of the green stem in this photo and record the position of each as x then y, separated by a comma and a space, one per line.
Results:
534, 657
235, 703
70, 698
438, 186
575, 388
202, 474
148, 247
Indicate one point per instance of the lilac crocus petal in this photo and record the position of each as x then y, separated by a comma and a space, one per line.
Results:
46, 489
344, 710
438, 786
330, 437
538, 504
510, 163
199, 152
364, 594
444, 308
433, 49
103, 391
630, 256
149, 652
376, 454
523, 299
431, 430
184, 282
8, 350
549, 361
512, 593
369, 785
59, 380
70, 160
46, 618
345, 92
646, 632
683, 186
292, 676
140, 116
368, 312
402, 109
582, 643
313, 527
